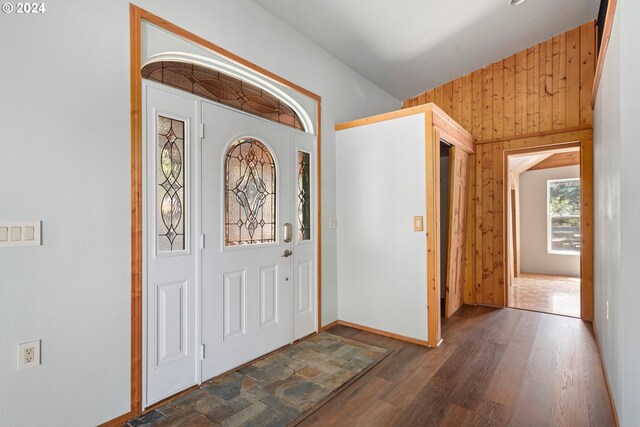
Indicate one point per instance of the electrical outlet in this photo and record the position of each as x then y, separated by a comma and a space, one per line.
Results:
28, 355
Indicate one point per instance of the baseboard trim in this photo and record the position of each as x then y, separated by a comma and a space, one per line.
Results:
330, 325
612, 403
118, 421
384, 333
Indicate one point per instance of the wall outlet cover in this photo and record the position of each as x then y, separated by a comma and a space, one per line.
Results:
28, 355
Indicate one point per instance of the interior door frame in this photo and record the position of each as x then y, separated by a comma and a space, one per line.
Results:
136, 16
585, 143
439, 127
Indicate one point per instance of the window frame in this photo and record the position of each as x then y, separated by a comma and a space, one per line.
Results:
550, 218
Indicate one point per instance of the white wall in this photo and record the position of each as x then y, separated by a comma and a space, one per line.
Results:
533, 225
64, 115
617, 208
381, 260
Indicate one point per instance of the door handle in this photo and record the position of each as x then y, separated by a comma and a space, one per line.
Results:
287, 232
287, 253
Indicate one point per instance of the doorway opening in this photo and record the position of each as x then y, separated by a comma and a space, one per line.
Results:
544, 238
445, 160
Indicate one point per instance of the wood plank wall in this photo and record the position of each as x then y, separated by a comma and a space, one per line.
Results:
542, 90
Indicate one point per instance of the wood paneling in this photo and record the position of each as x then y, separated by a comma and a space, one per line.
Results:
537, 97
490, 236
545, 87
587, 72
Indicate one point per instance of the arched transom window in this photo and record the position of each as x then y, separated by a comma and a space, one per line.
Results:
224, 89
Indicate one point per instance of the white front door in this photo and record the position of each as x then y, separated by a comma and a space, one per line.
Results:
230, 246
247, 172
169, 246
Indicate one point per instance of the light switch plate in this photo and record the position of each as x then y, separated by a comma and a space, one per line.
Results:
20, 233
333, 223
418, 223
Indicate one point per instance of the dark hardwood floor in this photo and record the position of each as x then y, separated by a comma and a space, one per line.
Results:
496, 367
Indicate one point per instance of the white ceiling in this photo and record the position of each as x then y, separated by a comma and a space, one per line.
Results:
409, 46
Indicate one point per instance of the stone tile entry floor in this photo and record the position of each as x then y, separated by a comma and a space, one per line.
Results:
282, 388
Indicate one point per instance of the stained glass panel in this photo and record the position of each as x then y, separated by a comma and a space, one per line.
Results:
223, 88
170, 185
304, 196
250, 194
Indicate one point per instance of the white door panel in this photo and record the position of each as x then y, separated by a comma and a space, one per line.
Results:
304, 291
268, 296
234, 308
267, 286
172, 315
306, 235
170, 254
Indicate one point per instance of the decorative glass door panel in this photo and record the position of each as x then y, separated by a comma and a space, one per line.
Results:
304, 195
250, 194
170, 190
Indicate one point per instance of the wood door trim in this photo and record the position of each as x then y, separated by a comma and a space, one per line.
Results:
451, 131
438, 127
118, 421
585, 143
136, 16
602, 52
136, 210
537, 134
432, 173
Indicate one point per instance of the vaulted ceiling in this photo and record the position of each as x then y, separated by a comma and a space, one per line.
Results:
409, 46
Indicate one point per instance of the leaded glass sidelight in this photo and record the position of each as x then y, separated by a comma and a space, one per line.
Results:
304, 196
250, 194
170, 195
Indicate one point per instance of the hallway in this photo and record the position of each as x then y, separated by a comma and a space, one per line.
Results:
496, 367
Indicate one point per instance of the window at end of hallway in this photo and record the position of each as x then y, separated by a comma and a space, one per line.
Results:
563, 216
